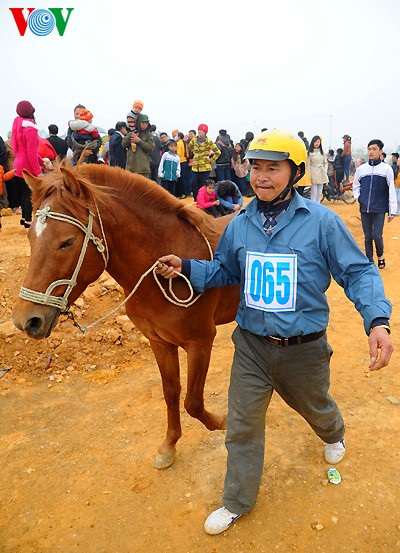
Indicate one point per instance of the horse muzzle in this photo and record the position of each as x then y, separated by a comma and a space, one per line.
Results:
37, 321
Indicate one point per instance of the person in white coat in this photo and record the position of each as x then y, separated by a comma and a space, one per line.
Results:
317, 166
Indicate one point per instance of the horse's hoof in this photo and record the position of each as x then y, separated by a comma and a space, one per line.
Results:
163, 461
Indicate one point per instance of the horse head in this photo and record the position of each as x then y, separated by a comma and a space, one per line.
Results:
68, 249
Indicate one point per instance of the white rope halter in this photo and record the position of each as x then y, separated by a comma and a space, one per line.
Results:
61, 302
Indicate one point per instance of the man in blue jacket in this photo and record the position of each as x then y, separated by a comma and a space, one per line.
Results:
283, 250
373, 186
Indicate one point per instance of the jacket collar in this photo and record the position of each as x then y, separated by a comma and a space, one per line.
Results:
28, 123
374, 162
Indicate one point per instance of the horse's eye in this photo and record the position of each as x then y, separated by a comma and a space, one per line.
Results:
67, 243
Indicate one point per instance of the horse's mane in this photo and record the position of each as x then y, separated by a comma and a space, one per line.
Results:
98, 182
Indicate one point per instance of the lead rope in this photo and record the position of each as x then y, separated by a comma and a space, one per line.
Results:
176, 301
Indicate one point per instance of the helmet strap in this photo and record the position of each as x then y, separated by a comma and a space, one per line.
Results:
292, 181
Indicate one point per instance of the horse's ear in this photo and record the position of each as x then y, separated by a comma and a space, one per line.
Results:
70, 182
32, 181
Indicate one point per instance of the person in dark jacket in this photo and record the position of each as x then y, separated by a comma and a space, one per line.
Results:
223, 142
246, 140
155, 155
338, 165
373, 186
59, 144
116, 153
394, 166
304, 139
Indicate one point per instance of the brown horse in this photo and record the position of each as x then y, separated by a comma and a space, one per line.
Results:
134, 222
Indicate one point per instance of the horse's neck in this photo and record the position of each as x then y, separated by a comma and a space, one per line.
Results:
138, 238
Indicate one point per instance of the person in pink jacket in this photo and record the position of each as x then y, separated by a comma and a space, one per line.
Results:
207, 199
25, 141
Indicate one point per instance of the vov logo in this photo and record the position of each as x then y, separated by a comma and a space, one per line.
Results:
41, 22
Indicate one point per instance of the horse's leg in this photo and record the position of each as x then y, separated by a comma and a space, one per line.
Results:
198, 360
168, 362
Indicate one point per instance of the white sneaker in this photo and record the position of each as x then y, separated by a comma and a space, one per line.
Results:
334, 453
219, 521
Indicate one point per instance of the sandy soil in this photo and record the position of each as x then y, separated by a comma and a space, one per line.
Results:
82, 417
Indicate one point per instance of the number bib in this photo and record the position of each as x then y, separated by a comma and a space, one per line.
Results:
271, 281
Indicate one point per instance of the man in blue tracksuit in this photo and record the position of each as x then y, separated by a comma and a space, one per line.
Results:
374, 187
283, 250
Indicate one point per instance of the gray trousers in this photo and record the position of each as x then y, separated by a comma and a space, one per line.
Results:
300, 374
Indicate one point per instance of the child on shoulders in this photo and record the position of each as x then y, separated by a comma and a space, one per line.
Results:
83, 130
85, 135
133, 114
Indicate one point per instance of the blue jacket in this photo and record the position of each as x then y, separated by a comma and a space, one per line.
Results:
227, 204
117, 153
322, 246
373, 186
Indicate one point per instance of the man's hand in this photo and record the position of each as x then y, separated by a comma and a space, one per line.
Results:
380, 348
134, 138
390, 218
169, 265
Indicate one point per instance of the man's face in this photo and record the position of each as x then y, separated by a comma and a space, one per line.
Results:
374, 152
394, 159
164, 138
202, 134
143, 125
269, 178
123, 130
191, 135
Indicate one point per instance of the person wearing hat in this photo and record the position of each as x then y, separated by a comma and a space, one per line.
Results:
283, 250
85, 138
138, 159
133, 114
204, 153
346, 157
25, 143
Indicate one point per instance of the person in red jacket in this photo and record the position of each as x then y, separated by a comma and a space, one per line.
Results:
46, 149
207, 199
25, 143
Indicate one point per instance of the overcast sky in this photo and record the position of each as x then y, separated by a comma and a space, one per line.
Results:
326, 68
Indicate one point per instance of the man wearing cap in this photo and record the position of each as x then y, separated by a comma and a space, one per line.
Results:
204, 153
138, 158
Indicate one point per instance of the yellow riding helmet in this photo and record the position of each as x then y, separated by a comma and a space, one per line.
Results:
277, 145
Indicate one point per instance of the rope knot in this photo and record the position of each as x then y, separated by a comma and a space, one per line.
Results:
99, 244
42, 214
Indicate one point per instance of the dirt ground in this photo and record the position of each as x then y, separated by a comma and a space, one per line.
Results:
81, 418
